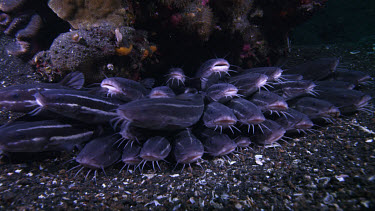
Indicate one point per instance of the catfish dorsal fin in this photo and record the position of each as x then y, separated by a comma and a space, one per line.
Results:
74, 80
148, 83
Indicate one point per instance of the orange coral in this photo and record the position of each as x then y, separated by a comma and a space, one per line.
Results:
153, 48
123, 51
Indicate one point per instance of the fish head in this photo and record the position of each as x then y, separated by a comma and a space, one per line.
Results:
243, 141
155, 148
162, 92
130, 154
17, 98
219, 145
218, 114
187, 148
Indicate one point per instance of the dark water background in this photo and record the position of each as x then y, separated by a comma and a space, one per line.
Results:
340, 21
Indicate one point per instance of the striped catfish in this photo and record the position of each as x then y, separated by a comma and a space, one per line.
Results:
162, 113
20, 98
46, 135
124, 89
79, 105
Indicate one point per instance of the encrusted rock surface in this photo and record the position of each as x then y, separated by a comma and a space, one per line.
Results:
87, 14
88, 50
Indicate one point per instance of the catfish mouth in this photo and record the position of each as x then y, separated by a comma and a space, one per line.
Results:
230, 92
304, 125
191, 158
225, 121
132, 161
177, 76
243, 143
220, 67
333, 111
226, 150
278, 106
256, 120
262, 81
151, 157
275, 137
89, 163
277, 74
158, 94
112, 88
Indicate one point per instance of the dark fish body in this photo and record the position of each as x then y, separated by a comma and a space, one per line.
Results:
243, 141
273, 73
315, 70
212, 66
77, 105
221, 92
249, 83
207, 82
161, 92
155, 149
346, 100
316, 108
292, 89
219, 145
124, 89
148, 83
130, 154
132, 133
99, 153
268, 101
295, 121
163, 113
218, 115
212, 70
270, 135
39, 136
292, 77
335, 84
246, 111
176, 78
352, 76
187, 148
20, 98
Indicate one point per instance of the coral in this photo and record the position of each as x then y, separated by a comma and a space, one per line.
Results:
250, 32
88, 14
123, 51
9, 6
225, 27
24, 27
21, 19
174, 3
197, 18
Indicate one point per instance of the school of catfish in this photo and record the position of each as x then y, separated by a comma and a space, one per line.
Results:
212, 112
